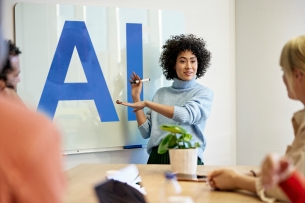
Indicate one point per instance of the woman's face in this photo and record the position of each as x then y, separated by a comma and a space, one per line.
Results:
289, 90
296, 87
186, 65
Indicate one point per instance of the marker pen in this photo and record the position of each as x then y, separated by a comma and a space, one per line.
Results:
133, 146
143, 80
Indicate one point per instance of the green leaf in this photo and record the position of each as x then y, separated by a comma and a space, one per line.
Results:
173, 129
197, 145
187, 137
163, 147
180, 139
173, 142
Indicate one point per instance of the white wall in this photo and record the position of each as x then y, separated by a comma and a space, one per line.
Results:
264, 111
215, 22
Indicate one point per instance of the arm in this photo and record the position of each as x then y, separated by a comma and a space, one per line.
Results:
135, 93
162, 109
138, 105
227, 179
294, 187
280, 171
192, 112
165, 110
296, 152
196, 109
141, 118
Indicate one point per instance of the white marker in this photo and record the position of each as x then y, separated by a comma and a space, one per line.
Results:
143, 80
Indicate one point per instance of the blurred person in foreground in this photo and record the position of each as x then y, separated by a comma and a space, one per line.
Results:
280, 171
30, 153
292, 61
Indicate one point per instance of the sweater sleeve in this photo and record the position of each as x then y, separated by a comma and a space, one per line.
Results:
145, 128
294, 187
195, 110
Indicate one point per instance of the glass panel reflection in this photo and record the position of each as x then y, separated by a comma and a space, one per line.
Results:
38, 29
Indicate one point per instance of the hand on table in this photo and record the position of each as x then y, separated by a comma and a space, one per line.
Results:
223, 179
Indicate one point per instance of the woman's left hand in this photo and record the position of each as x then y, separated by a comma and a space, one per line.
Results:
223, 179
137, 105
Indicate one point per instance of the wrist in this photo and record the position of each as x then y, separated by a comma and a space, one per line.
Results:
236, 181
146, 103
136, 98
253, 173
243, 182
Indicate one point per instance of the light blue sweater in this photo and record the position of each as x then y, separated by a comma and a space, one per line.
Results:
192, 106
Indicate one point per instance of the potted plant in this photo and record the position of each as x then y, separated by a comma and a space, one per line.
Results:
182, 153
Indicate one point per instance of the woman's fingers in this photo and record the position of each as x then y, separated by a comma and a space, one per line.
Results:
211, 177
119, 102
135, 77
212, 184
137, 106
215, 173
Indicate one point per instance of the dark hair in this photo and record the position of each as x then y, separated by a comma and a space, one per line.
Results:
12, 51
180, 43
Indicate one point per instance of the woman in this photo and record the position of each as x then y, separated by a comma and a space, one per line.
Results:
280, 171
292, 62
185, 103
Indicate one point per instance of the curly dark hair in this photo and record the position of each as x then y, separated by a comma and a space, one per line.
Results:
180, 43
12, 51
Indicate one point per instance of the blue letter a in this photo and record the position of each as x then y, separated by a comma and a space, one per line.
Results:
75, 34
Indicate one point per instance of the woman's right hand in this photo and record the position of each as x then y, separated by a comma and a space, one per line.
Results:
223, 179
136, 88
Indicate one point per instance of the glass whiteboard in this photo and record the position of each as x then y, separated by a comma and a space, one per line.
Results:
43, 33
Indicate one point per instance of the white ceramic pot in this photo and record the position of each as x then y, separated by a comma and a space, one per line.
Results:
183, 160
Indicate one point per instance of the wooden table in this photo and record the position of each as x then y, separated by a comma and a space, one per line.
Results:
83, 178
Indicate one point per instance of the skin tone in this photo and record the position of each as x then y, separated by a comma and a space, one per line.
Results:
225, 179
298, 84
186, 69
13, 76
276, 169
12, 80
9, 93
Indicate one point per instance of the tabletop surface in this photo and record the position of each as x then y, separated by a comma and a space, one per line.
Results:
82, 179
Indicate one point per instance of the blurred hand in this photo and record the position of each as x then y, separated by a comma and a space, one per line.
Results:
136, 88
137, 105
223, 179
276, 169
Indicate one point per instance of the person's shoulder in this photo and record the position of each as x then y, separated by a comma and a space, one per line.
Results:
201, 89
299, 118
25, 129
163, 89
11, 112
